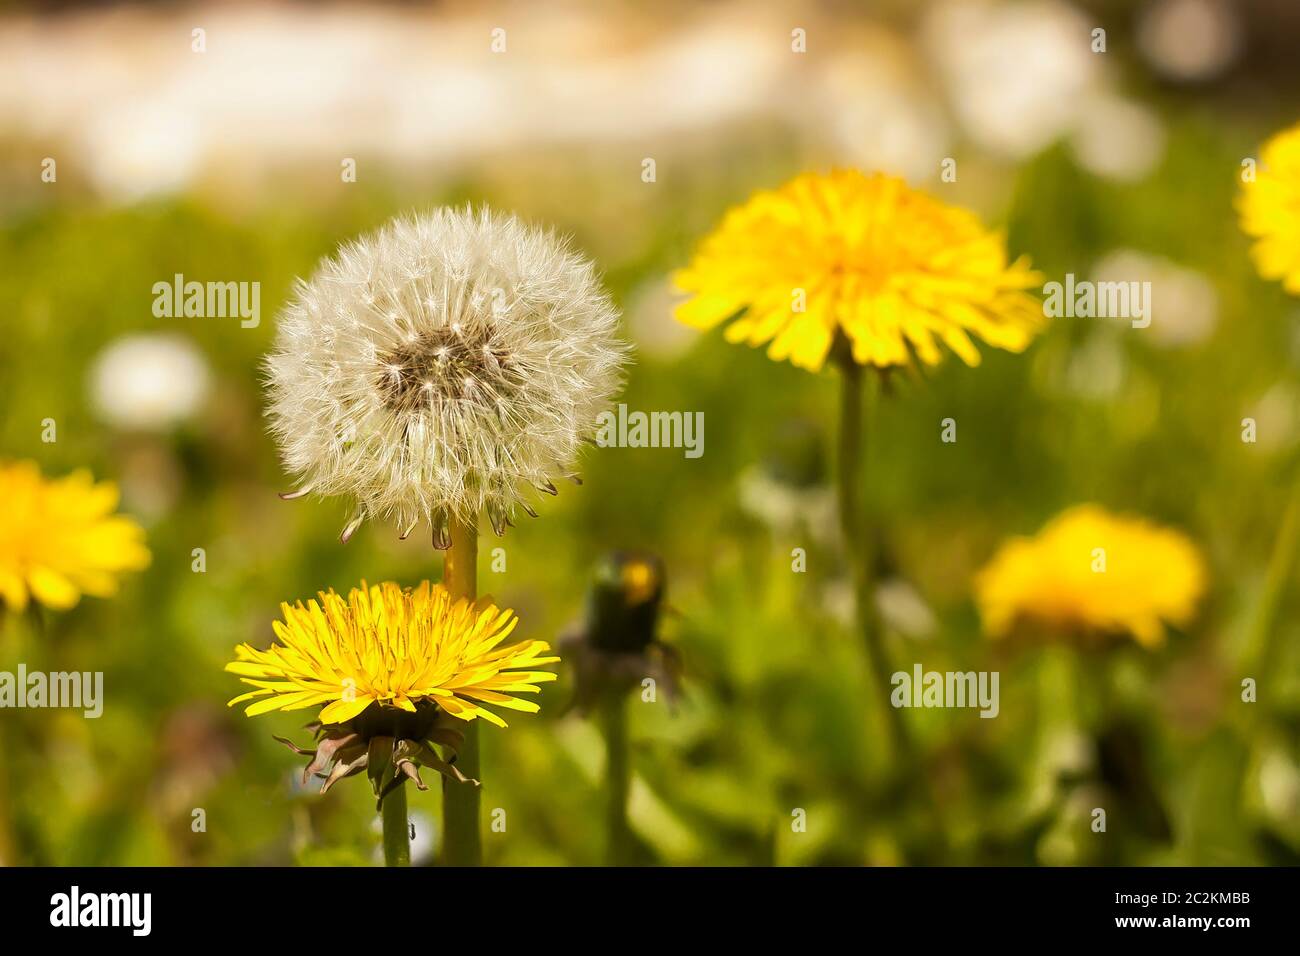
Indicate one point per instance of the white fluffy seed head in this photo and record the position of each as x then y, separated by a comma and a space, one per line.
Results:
439, 367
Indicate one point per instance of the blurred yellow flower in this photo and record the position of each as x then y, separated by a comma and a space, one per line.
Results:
394, 647
1090, 572
59, 538
868, 258
1270, 210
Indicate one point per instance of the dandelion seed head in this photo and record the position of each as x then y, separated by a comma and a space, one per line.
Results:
466, 354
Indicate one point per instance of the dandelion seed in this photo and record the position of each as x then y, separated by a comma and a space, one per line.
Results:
454, 407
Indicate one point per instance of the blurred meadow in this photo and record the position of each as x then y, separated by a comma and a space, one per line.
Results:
225, 165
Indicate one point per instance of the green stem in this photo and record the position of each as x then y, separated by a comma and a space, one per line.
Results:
397, 832
1262, 644
8, 844
618, 777
858, 545
462, 838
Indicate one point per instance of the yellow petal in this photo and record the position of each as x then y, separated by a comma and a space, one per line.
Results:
52, 589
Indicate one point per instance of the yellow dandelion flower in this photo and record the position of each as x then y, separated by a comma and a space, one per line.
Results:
1092, 573
389, 664
394, 647
865, 258
60, 539
1270, 210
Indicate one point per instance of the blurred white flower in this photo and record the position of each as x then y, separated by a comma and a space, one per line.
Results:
900, 607
903, 609
1279, 786
148, 382
1184, 306
1189, 40
1017, 73
1275, 417
142, 149
1067, 752
875, 111
1117, 138
839, 601
788, 509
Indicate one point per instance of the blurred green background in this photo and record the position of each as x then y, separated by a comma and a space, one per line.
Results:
777, 713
